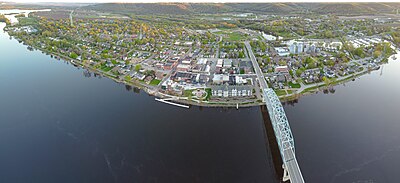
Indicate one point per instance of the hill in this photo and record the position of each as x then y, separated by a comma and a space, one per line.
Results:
260, 8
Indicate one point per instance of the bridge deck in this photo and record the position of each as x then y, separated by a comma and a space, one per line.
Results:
279, 122
292, 167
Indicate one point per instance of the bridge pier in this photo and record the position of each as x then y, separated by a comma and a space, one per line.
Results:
286, 176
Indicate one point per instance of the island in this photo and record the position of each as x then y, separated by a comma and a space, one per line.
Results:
200, 54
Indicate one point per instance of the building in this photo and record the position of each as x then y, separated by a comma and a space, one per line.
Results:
186, 62
227, 63
231, 91
220, 79
183, 67
201, 61
220, 63
282, 69
282, 51
296, 48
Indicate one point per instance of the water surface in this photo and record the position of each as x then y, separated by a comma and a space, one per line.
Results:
56, 125
353, 134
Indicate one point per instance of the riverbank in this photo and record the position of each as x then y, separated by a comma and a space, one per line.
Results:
152, 90
155, 91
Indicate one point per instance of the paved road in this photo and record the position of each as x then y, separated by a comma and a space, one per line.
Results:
256, 67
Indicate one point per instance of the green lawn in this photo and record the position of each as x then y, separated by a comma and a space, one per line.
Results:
155, 82
297, 85
280, 92
187, 93
27, 21
105, 68
235, 36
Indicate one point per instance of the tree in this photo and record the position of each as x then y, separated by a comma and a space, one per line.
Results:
326, 80
359, 52
73, 55
328, 34
300, 71
330, 63
241, 54
138, 67
377, 53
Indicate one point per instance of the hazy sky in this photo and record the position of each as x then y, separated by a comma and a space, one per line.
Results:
214, 1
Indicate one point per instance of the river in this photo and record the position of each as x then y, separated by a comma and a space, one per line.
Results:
353, 134
10, 14
59, 123
56, 125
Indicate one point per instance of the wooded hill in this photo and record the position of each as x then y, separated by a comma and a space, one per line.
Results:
259, 8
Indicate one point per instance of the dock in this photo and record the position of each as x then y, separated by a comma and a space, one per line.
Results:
171, 103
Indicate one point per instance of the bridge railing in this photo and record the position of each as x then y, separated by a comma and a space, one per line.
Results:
279, 122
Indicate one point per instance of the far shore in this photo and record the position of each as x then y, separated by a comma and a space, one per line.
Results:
151, 90
147, 88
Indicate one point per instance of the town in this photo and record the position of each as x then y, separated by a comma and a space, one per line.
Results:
204, 61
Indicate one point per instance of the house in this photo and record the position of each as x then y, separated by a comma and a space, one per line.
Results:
159, 75
140, 76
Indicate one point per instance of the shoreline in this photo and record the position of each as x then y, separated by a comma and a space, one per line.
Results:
148, 88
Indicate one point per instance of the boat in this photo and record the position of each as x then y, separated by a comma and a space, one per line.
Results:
73, 63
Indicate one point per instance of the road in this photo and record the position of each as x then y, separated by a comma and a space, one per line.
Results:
257, 69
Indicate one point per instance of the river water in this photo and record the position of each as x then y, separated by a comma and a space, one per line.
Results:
352, 135
56, 125
59, 123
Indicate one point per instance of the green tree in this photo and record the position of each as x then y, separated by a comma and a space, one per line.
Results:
73, 55
138, 67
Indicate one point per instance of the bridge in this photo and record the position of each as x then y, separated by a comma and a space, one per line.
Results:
280, 125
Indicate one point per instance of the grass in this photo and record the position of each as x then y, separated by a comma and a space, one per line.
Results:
187, 93
297, 85
155, 82
312, 88
23, 21
280, 92
235, 36
104, 68
232, 36
115, 73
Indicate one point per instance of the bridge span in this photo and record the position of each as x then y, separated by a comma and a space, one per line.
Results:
280, 125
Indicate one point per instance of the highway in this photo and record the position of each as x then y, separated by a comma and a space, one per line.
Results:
256, 67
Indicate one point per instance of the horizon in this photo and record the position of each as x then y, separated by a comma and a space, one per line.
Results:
199, 1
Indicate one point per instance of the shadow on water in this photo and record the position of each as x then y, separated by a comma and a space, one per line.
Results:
272, 144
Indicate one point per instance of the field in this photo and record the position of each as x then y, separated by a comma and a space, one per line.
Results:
155, 82
23, 21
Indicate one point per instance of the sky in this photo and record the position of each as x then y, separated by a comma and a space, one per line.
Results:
212, 1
